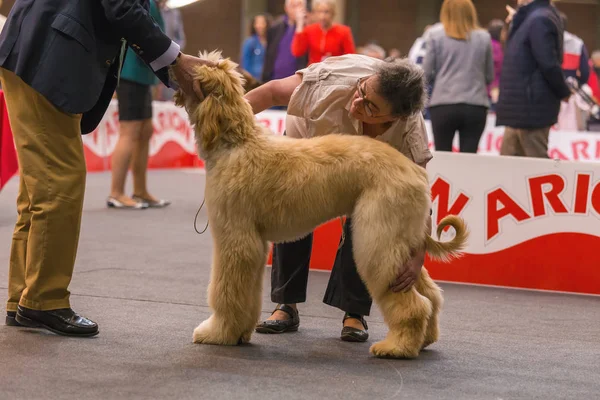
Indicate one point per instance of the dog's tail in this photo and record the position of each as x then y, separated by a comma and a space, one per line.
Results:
445, 251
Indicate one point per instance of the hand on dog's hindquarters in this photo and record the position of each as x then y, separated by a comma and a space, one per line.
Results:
409, 273
183, 70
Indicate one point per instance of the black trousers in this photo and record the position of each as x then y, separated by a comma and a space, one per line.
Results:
467, 119
289, 276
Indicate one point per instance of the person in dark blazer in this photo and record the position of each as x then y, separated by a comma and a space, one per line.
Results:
279, 61
60, 62
532, 83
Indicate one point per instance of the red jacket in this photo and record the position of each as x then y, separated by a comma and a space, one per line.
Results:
320, 44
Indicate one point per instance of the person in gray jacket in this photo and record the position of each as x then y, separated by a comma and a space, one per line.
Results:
459, 65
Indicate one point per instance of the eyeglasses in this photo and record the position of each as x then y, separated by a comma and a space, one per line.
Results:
366, 103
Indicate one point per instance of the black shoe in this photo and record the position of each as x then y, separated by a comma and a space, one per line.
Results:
10, 319
63, 321
350, 334
280, 326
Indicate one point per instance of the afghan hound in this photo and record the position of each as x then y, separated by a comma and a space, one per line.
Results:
263, 188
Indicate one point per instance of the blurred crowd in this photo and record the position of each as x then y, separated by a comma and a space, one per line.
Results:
463, 62
532, 79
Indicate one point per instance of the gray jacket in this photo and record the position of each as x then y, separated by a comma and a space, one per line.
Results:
459, 70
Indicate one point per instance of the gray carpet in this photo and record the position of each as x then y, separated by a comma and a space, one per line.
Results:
142, 275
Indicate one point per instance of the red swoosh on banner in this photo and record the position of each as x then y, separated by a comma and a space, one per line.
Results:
170, 155
562, 261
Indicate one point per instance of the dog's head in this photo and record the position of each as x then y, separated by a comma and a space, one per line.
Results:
224, 111
223, 81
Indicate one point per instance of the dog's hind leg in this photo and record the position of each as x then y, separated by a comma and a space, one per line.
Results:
428, 288
235, 288
406, 314
382, 243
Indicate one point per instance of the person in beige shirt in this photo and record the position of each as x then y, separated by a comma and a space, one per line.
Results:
355, 95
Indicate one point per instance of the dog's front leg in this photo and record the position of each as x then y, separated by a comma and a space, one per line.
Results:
235, 289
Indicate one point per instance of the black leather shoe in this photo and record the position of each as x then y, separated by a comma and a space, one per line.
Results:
63, 321
10, 319
280, 326
350, 334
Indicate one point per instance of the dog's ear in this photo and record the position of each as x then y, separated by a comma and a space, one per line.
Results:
209, 120
179, 98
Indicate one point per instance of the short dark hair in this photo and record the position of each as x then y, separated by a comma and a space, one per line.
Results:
495, 28
402, 84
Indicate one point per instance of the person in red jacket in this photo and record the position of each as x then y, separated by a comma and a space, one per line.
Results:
324, 38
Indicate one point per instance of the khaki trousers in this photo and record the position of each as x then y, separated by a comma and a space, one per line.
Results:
525, 142
49, 204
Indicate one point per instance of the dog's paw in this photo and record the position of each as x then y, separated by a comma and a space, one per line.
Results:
209, 333
204, 333
389, 349
246, 336
432, 334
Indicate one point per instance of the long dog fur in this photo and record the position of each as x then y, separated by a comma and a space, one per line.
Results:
264, 188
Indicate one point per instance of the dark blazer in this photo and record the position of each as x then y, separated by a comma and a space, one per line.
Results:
274, 35
532, 83
69, 50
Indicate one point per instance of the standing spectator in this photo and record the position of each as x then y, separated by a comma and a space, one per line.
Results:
279, 61
575, 55
373, 50
532, 84
576, 64
173, 23
595, 74
417, 54
596, 61
134, 95
323, 38
174, 30
254, 47
51, 102
394, 53
417, 51
495, 29
460, 65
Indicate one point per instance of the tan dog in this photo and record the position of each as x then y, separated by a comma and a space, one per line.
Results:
264, 188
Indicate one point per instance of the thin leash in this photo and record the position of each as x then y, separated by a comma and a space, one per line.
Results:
196, 219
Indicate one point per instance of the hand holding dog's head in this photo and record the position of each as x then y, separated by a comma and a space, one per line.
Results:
209, 74
219, 116
183, 73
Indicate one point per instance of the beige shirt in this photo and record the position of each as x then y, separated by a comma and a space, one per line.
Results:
320, 105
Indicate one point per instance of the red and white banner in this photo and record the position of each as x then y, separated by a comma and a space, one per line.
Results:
172, 144
534, 223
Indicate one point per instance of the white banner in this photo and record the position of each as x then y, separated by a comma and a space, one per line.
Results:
563, 145
510, 200
534, 223
171, 125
